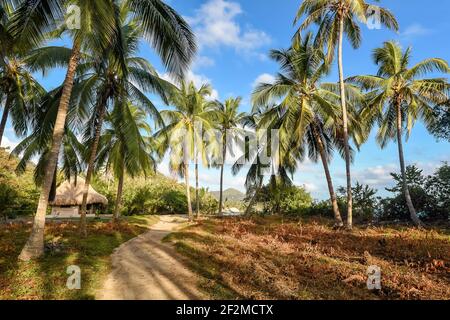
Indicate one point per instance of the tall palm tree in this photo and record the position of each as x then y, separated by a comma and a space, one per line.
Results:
399, 95
255, 174
335, 18
228, 120
124, 149
167, 32
184, 130
309, 112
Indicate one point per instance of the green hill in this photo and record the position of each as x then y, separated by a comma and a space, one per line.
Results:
230, 195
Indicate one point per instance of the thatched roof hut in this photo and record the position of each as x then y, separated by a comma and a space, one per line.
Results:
69, 194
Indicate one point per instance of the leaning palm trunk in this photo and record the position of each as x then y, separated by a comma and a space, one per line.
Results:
34, 247
101, 109
254, 198
119, 196
188, 190
197, 198
412, 210
221, 178
4, 118
333, 198
345, 126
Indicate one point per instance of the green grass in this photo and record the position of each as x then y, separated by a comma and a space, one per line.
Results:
46, 278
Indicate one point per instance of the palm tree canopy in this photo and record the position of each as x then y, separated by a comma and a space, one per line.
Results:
301, 103
326, 14
163, 27
185, 125
397, 83
126, 145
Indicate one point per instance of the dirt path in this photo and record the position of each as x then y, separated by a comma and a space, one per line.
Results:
147, 269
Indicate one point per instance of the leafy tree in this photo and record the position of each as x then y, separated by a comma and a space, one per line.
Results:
438, 188
399, 95
365, 201
441, 127
335, 18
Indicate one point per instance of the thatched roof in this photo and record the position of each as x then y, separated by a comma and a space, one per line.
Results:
69, 194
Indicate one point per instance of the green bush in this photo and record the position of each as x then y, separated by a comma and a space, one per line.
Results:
153, 195
285, 200
18, 194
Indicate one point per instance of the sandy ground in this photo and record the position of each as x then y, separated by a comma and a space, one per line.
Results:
147, 269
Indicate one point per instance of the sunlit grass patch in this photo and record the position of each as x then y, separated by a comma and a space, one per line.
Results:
276, 258
46, 278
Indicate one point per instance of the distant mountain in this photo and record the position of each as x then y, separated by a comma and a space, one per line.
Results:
230, 195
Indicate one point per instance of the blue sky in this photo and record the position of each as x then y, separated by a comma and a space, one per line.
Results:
234, 38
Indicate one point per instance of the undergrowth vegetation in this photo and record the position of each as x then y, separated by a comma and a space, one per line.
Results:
279, 258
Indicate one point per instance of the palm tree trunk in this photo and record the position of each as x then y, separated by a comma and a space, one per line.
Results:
34, 247
197, 198
4, 118
412, 210
188, 190
101, 109
221, 178
333, 198
345, 126
119, 195
254, 198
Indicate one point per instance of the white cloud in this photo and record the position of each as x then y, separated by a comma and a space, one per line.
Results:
203, 61
415, 30
7, 143
198, 79
215, 25
377, 177
311, 187
263, 78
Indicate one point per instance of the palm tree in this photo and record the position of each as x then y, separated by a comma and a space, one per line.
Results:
334, 18
168, 33
255, 175
38, 143
228, 120
399, 95
185, 126
19, 89
308, 115
123, 147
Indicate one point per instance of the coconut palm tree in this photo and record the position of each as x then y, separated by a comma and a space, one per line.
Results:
308, 114
335, 18
167, 32
399, 95
184, 131
19, 90
228, 119
125, 147
255, 175
38, 143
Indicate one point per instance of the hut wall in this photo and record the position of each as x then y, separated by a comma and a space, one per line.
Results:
66, 212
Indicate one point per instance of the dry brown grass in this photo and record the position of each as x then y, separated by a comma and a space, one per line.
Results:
268, 258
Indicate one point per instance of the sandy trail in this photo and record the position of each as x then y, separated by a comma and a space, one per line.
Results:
147, 269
